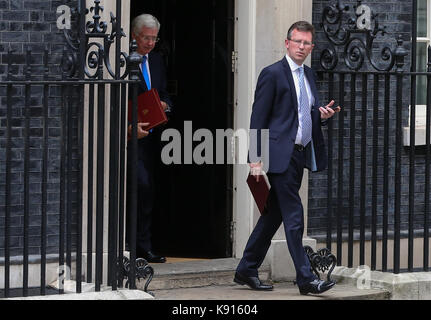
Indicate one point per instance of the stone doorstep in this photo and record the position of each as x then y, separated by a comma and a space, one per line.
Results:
219, 272
88, 293
123, 294
196, 274
403, 286
106, 292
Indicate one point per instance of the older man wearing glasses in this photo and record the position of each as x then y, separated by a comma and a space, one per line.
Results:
145, 30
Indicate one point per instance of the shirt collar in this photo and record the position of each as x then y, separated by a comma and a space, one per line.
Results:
292, 64
142, 55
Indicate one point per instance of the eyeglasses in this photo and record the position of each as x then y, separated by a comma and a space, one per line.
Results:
149, 38
299, 42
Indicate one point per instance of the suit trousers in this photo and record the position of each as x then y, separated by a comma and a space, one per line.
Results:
145, 193
284, 205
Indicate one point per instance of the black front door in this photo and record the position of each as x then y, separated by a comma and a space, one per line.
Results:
194, 202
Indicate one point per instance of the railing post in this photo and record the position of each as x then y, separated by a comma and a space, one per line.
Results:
8, 193
100, 171
340, 186
386, 174
27, 158
352, 168
374, 173
363, 172
44, 219
63, 135
81, 76
330, 170
134, 61
400, 54
114, 157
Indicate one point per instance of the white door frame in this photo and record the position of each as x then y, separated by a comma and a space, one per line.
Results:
245, 35
276, 16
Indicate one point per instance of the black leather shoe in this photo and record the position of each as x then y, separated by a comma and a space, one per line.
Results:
252, 282
316, 286
151, 257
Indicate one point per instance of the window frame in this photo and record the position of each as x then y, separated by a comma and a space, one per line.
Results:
420, 123
421, 109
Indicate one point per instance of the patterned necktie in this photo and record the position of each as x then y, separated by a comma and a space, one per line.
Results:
304, 108
145, 72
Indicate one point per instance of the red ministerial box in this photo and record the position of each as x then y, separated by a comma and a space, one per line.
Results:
149, 109
259, 190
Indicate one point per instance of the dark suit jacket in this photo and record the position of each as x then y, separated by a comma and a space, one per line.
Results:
275, 108
158, 78
148, 155
148, 151
148, 146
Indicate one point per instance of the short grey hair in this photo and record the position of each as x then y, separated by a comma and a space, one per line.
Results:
145, 20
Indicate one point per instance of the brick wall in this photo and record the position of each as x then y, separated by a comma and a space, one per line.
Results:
31, 24
396, 16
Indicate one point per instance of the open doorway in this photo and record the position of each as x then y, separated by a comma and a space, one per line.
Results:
194, 202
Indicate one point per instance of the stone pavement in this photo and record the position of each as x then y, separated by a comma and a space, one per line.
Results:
212, 280
282, 291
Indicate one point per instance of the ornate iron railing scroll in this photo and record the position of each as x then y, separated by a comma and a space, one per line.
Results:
143, 271
98, 44
322, 260
357, 33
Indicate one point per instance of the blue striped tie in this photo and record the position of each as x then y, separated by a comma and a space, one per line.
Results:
304, 109
145, 72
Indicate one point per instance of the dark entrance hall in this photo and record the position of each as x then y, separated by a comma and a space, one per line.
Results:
194, 202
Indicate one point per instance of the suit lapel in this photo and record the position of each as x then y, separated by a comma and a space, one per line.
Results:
312, 83
155, 71
289, 76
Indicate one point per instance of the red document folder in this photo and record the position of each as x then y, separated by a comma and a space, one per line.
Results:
149, 109
259, 190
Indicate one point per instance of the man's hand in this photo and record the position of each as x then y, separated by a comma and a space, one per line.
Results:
328, 111
164, 105
256, 170
141, 131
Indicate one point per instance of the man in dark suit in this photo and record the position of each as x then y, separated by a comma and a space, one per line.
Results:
145, 30
286, 103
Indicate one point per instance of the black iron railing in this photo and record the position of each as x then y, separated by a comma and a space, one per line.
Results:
377, 182
60, 130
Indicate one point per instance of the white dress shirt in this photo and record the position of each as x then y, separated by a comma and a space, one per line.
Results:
148, 68
295, 74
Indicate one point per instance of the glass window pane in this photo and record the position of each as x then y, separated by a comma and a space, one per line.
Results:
421, 60
422, 18
421, 83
